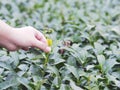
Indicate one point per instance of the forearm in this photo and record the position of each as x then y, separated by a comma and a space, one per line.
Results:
5, 29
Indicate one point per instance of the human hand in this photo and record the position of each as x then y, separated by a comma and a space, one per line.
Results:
23, 38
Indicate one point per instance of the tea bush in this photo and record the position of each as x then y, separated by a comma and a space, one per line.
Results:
85, 49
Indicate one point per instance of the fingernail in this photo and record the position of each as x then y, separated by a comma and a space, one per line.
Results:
48, 49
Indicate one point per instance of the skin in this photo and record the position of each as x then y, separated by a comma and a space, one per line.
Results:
21, 38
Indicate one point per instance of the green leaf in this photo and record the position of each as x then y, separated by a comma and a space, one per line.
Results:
10, 83
109, 64
14, 56
101, 60
73, 86
53, 69
116, 30
112, 78
98, 48
73, 70
64, 87
56, 82
24, 81
5, 66
23, 67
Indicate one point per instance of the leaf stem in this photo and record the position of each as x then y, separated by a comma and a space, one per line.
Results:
46, 61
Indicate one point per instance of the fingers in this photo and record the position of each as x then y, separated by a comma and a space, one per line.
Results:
25, 48
40, 37
41, 42
41, 45
12, 47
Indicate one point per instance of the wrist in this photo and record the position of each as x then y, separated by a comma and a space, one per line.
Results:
5, 29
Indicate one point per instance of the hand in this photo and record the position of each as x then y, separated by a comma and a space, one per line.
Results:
23, 38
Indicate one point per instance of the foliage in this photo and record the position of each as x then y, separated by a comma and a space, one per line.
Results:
85, 51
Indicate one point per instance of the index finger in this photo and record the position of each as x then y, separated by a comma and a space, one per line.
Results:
41, 37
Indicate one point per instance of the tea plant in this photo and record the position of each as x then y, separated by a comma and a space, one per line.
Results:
85, 42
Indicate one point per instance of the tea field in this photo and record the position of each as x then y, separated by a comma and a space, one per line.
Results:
85, 45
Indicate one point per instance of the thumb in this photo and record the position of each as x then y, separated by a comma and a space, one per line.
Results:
41, 45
